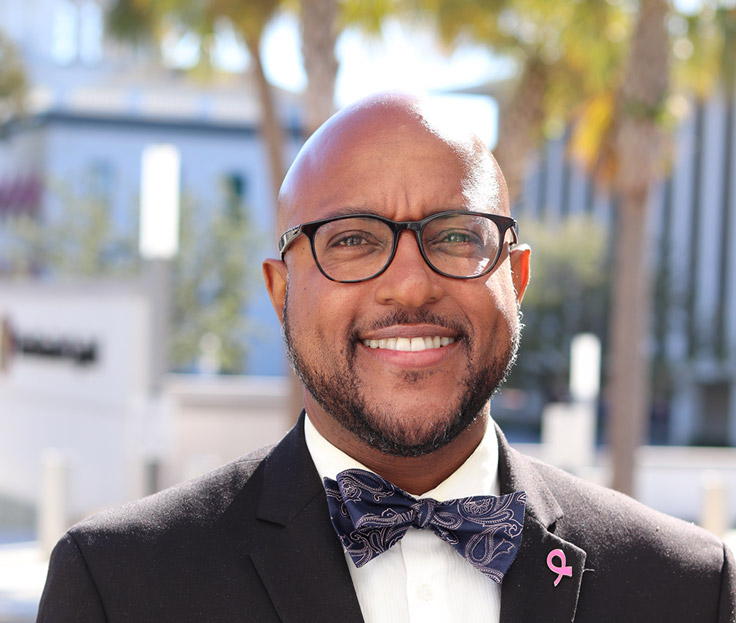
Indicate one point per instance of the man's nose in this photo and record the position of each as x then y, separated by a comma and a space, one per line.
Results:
409, 280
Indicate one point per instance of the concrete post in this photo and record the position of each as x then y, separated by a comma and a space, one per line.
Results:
53, 505
713, 511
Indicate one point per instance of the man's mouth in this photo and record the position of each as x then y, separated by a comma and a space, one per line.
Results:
410, 344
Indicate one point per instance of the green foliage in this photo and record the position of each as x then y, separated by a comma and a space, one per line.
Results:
149, 20
568, 260
581, 43
79, 242
212, 276
368, 16
25, 248
249, 18
133, 21
704, 46
12, 81
566, 296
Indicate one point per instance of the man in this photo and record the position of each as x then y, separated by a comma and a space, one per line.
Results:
398, 289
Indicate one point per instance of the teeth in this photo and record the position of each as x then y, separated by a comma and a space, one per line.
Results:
413, 344
417, 343
403, 344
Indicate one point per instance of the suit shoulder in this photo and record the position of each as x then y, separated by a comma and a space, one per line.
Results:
609, 520
637, 560
191, 503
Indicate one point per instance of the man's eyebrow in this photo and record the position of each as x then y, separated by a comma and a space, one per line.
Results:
351, 210
348, 211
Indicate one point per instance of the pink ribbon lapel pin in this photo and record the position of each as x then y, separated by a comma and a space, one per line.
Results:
563, 569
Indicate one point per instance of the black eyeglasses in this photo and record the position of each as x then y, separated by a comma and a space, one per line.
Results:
356, 247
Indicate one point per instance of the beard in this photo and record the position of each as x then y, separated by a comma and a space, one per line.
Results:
339, 390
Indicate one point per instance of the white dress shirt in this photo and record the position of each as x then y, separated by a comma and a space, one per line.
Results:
422, 578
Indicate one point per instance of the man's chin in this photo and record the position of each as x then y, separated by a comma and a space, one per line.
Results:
410, 433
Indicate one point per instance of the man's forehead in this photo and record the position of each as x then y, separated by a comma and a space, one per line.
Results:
369, 134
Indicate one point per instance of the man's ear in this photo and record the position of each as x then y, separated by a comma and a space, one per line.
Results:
275, 276
520, 256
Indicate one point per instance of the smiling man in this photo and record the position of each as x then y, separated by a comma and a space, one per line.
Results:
394, 498
399, 353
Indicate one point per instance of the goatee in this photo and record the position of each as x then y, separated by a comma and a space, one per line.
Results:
339, 392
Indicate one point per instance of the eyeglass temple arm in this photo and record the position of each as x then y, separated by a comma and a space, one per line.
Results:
288, 238
515, 231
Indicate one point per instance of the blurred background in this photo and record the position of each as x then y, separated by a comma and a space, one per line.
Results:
142, 145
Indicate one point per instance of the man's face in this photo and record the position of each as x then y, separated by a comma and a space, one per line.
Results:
343, 339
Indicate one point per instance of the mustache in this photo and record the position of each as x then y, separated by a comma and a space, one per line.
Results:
416, 316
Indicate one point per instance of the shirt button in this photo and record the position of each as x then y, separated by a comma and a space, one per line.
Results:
425, 592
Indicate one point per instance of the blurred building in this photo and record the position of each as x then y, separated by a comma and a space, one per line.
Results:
691, 231
95, 104
77, 372
77, 410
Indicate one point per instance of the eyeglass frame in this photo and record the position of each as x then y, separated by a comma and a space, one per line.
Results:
503, 223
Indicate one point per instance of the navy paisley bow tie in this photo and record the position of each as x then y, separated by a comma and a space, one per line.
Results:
370, 515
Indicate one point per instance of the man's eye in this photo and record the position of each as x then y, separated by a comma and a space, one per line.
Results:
457, 237
352, 240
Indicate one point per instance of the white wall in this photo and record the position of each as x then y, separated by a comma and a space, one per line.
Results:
98, 415
217, 419
101, 416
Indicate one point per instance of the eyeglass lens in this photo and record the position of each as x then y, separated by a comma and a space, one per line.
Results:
459, 245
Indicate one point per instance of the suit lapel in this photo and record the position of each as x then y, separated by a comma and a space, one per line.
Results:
298, 557
528, 592
295, 550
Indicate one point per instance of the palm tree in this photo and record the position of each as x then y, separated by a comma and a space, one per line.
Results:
144, 20
319, 33
250, 20
12, 81
573, 69
564, 53
637, 142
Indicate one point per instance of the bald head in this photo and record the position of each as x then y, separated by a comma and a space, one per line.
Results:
373, 135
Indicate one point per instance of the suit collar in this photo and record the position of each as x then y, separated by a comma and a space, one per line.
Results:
517, 472
303, 568
528, 592
290, 480
295, 550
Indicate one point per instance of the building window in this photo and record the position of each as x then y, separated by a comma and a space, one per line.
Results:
91, 31
64, 32
235, 188
77, 32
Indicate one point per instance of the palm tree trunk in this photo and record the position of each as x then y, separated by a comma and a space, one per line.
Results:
319, 37
629, 373
638, 144
273, 134
274, 138
521, 125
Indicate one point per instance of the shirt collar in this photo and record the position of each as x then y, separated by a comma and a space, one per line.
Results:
477, 476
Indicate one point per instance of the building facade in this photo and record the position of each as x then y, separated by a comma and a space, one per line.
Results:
692, 226
95, 104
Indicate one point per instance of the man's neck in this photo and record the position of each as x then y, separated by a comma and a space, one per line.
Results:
415, 475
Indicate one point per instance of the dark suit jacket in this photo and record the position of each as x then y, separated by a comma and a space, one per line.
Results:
252, 541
